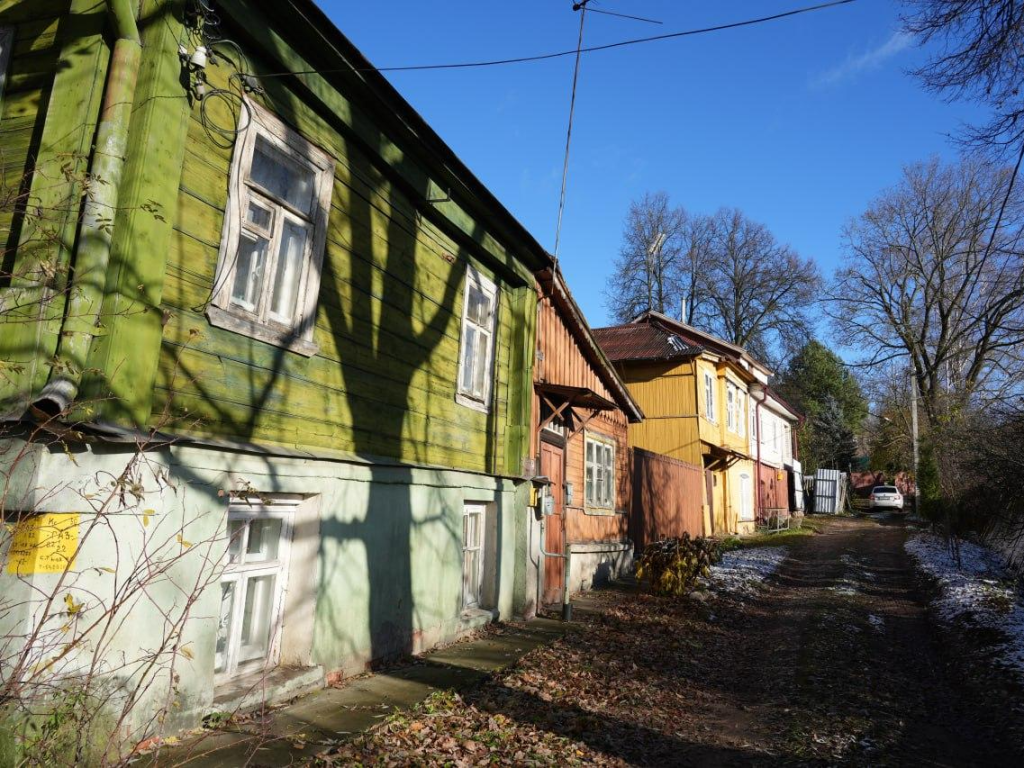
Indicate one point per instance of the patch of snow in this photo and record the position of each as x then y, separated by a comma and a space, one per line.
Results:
744, 570
845, 587
877, 622
979, 591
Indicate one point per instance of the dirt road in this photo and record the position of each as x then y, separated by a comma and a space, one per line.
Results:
839, 662
835, 662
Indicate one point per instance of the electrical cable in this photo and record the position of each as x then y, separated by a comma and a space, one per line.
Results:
624, 16
568, 134
563, 54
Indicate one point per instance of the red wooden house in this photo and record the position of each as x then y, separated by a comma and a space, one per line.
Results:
579, 442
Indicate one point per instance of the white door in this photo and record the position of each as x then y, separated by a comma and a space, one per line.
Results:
746, 498
252, 589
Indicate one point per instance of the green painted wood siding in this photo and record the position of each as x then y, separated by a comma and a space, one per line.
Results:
50, 107
388, 321
30, 73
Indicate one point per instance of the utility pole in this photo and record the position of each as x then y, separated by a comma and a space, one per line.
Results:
652, 250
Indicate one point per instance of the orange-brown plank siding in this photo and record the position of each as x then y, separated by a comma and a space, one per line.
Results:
561, 360
667, 496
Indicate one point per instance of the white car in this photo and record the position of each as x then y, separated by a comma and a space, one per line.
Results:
886, 497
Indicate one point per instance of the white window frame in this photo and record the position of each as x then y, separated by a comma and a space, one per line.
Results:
279, 508
6, 44
594, 468
709, 398
741, 412
730, 406
555, 426
464, 395
473, 556
257, 122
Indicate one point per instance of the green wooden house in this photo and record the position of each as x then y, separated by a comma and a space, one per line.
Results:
260, 325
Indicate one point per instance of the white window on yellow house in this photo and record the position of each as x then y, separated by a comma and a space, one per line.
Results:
480, 309
741, 412
709, 396
730, 403
600, 474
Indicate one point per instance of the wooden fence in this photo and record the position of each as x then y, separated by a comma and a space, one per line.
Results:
667, 498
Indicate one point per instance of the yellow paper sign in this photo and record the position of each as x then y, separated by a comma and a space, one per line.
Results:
43, 544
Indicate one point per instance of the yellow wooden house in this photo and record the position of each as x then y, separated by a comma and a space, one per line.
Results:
693, 387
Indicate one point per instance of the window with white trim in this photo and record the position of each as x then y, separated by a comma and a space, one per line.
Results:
274, 234
252, 587
6, 43
476, 354
730, 406
709, 396
600, 473
473, 518
741, 412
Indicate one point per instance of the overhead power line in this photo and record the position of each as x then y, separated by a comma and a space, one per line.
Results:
582, 8
624, 16
573, 51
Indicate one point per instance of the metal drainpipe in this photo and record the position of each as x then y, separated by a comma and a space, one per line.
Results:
566, 605
85, 298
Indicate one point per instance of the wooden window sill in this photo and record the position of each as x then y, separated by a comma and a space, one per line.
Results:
229, 321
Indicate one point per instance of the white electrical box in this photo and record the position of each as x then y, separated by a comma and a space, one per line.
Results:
549, 504
568, 494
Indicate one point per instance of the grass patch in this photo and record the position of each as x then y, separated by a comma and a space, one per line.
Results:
812, 524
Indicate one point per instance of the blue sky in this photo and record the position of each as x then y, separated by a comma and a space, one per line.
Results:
798, 122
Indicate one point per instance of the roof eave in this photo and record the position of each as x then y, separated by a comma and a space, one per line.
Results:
579, 327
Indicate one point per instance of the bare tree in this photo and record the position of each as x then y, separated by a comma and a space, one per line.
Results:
979, 57
647, 272
759, 291
699, 238
933, 276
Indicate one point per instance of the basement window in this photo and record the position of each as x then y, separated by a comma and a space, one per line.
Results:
275, 228
480, 309
473, 518
252, 585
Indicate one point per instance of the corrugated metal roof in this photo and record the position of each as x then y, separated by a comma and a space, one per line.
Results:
643, 341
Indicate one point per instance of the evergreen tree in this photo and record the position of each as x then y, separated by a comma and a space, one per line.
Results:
820, 385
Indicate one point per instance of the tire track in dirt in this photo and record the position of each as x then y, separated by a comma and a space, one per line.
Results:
846, 666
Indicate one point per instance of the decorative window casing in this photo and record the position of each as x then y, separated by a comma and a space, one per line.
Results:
253, 585
474, 516
709, 397
274, 234
476, 353
600, 473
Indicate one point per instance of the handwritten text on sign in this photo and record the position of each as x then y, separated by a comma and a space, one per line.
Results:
43, 544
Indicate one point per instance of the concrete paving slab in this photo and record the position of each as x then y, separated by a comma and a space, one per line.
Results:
295, 733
